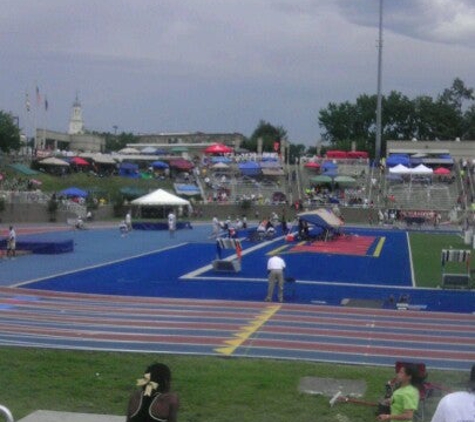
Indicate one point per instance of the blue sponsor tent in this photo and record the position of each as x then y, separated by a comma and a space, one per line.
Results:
250, 168
74, 192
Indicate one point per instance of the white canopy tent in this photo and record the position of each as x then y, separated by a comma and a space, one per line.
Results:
161, 199
422, 170
400, 169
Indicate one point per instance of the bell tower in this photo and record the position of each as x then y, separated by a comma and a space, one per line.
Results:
76, 123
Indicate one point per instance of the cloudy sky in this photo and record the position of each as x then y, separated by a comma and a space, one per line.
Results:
150, 66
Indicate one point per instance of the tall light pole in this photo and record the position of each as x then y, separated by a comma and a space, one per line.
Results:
377, 155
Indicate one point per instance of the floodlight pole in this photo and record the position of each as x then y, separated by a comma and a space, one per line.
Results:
377, 155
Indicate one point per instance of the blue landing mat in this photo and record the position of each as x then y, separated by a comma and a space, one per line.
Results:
40, 245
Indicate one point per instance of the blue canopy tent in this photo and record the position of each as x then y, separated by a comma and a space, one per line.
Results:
160, 165
323, 219
220, 159
329, 165
74, 192
250, 168
129, 170
395, 159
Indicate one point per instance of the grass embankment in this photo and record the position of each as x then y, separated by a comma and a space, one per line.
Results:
211, 389
109, 186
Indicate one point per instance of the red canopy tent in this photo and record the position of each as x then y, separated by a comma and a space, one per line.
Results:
218, 149
312, 165
181, 164
357, 154
441, 171
78, 161
337, 154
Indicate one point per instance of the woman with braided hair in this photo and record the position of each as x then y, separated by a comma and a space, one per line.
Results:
154, 401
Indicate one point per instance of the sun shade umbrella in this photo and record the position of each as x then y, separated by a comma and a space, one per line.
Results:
181, 164
72, 191
160, 165
312, 165
129, 150
79, 161
53, 161
149, 150
218, 149
441, 171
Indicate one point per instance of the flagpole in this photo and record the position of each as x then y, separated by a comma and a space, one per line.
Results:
379, 97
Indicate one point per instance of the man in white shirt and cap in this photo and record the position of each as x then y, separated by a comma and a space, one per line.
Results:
458, 406
275, 269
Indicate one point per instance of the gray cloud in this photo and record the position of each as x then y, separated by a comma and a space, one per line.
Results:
188, 65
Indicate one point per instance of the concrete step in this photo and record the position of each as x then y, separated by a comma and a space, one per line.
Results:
51, 416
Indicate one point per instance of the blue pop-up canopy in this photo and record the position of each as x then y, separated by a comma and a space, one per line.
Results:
250, 168
72, 191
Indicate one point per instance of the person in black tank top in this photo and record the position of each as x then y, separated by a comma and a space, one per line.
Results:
154, 401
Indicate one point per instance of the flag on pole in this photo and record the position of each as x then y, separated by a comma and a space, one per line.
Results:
38, 96
27, 102
46, 103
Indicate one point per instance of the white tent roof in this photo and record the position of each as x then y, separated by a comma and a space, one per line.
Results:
422, 169
220, 166
160, 197
400, 169
53, 161
129, 150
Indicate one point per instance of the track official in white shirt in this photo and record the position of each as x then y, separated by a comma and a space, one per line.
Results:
275, 269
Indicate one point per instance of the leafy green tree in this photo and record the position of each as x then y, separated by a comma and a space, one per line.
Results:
448, 116
469, 120
269, 134
9, 133
457, 94
296, 151
115, 142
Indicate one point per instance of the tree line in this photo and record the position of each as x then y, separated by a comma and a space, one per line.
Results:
448, 116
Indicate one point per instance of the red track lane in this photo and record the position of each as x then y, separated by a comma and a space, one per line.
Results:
206, 326
370, 350
114, 322
370, 335
373, 322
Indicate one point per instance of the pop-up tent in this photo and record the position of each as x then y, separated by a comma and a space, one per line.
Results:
325, 221
160, 197
73, 192
159, 203
322, 218
250, 168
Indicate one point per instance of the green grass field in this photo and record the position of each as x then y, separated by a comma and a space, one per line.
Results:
211, 389
426, 250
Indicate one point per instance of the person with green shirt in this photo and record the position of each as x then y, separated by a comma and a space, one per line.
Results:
404, 401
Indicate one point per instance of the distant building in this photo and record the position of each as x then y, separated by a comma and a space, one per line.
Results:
233, 140
77, 139
458, 150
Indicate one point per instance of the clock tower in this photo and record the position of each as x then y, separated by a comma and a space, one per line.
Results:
76, 123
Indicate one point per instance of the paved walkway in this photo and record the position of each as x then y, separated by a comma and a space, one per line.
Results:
50, 416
